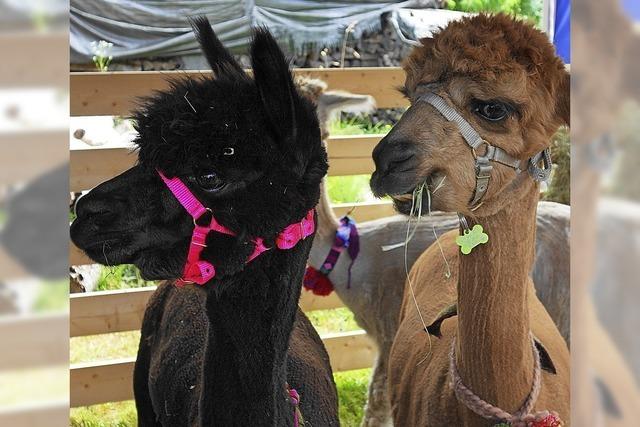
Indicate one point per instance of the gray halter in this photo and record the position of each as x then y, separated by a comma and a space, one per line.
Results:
492, 153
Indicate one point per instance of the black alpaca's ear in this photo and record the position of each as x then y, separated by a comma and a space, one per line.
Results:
563, 99
218, 57
275, 86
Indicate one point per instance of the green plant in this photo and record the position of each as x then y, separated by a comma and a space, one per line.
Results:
529, 9
121, 277
560, 184
102, 54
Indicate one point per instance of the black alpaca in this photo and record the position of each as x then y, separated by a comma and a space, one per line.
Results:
225, 353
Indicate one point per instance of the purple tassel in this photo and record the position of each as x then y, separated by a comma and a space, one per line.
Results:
346, 238
353, 245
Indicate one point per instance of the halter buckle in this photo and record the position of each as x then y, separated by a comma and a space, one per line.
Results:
543, 173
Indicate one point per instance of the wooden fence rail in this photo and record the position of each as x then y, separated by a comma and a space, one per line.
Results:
46, 47
114, 93
112, 380
348, 155
33, 341
122, 310
52, 413
106, 312
26, 155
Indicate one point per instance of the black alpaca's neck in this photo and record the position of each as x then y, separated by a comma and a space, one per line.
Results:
244, 373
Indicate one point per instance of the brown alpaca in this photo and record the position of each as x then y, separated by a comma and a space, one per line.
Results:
503, 77
375, 296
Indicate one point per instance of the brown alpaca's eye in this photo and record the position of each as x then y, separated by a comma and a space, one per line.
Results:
492, 111
210, 181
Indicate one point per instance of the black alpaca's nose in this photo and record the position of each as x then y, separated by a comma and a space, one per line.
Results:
391, 156
99, 209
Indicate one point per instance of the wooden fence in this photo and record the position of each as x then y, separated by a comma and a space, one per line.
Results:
32, 341
117, 311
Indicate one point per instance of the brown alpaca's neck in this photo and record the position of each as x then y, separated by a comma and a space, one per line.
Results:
494, 349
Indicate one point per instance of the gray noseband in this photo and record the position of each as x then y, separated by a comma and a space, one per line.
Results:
492, 153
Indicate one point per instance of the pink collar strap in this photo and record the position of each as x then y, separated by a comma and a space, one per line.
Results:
199, 271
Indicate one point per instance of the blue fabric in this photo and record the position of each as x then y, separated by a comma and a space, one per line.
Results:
632, 8
562, 30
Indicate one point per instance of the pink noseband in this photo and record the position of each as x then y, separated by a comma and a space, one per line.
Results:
200, 271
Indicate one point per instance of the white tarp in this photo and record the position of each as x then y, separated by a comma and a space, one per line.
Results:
160, 28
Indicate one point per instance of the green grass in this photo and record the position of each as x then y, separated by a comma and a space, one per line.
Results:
357, 125
352, 394
336, 320
104, 347
115, 414
19, 387
52, 297
352, 385
349, 189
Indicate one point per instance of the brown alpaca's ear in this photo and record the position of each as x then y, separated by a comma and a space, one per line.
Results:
563, 99
413, 65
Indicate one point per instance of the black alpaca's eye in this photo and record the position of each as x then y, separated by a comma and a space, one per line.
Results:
210, 181
491, 110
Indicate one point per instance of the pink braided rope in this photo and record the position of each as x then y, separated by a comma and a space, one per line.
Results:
521, 418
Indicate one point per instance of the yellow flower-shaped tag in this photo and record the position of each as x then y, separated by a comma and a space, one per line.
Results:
472, 238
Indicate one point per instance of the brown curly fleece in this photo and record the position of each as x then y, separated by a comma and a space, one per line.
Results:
487, 48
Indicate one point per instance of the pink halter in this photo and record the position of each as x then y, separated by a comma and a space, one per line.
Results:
200, 271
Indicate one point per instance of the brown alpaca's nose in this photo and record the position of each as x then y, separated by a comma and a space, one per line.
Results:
391, 156
396, 162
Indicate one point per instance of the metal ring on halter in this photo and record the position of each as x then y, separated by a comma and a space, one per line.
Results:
195, 219
463, 222
487, 151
